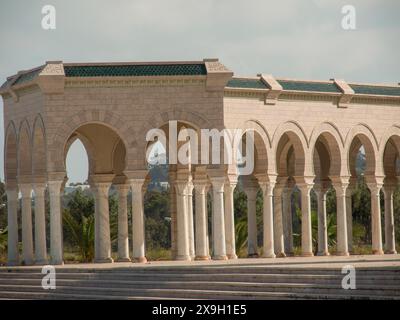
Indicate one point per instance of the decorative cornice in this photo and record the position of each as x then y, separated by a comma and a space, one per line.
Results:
85, 82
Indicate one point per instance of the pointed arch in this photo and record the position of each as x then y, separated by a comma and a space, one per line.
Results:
362, 135
11, 154
39, 166
292, 133
24, 149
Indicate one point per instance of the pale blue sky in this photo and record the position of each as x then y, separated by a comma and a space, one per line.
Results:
287, 38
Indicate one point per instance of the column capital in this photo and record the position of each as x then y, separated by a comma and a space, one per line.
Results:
251, 192
390, 184
26, 190
136, 184
218, 183
321, 187
39, 188
264, 178
374, 183
304, 180
340, 184
123, 188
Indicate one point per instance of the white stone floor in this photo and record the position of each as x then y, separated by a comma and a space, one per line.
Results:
391, 261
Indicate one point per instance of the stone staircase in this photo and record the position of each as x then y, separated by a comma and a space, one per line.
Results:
200, 282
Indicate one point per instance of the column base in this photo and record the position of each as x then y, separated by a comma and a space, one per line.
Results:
269, 255
390, 252
27, 263
323, 253
13, 263
281, 255
343, 254
232, 256
377, 252
200, 258
252, 255
123, 260
307, 254
57, 262
42, 262
220, 257
104, 260
183, 258
140, 260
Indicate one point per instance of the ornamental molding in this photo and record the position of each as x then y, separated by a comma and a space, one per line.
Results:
112, 82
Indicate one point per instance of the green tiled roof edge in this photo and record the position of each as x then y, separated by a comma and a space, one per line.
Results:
375, 90
135, 70
246, 83
308, 86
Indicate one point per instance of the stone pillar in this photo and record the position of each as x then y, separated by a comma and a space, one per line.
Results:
202, 251
172, 209
138, 239
40, 224
279, 245
267, 185
189, 196
218, 218
183, 249
321, 191
102, 246
375, 184
390, 243
340, 184
349, 215
12, 223
229, 189
305, 185
27, 240
252, 247
123, 233
56, 245
288, 222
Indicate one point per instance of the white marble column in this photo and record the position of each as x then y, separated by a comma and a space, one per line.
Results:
252, 247
123, 233
218, 218
189, 196
390, 243
12, 225
27, 238
202, 245
267, 187
56, 245
102, 246
340, 184
279, 245
375, 188
321, 191
229, 189
183, 250
138, 238
305, 187
40, 224
349, 216
288, 222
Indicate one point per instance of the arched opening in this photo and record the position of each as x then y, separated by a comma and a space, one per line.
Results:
326, 164
248, 199
290, 160
163, 214
11, 170
362, 163
95, 215
391, 190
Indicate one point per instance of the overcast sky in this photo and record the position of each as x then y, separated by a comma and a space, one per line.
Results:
287, 38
